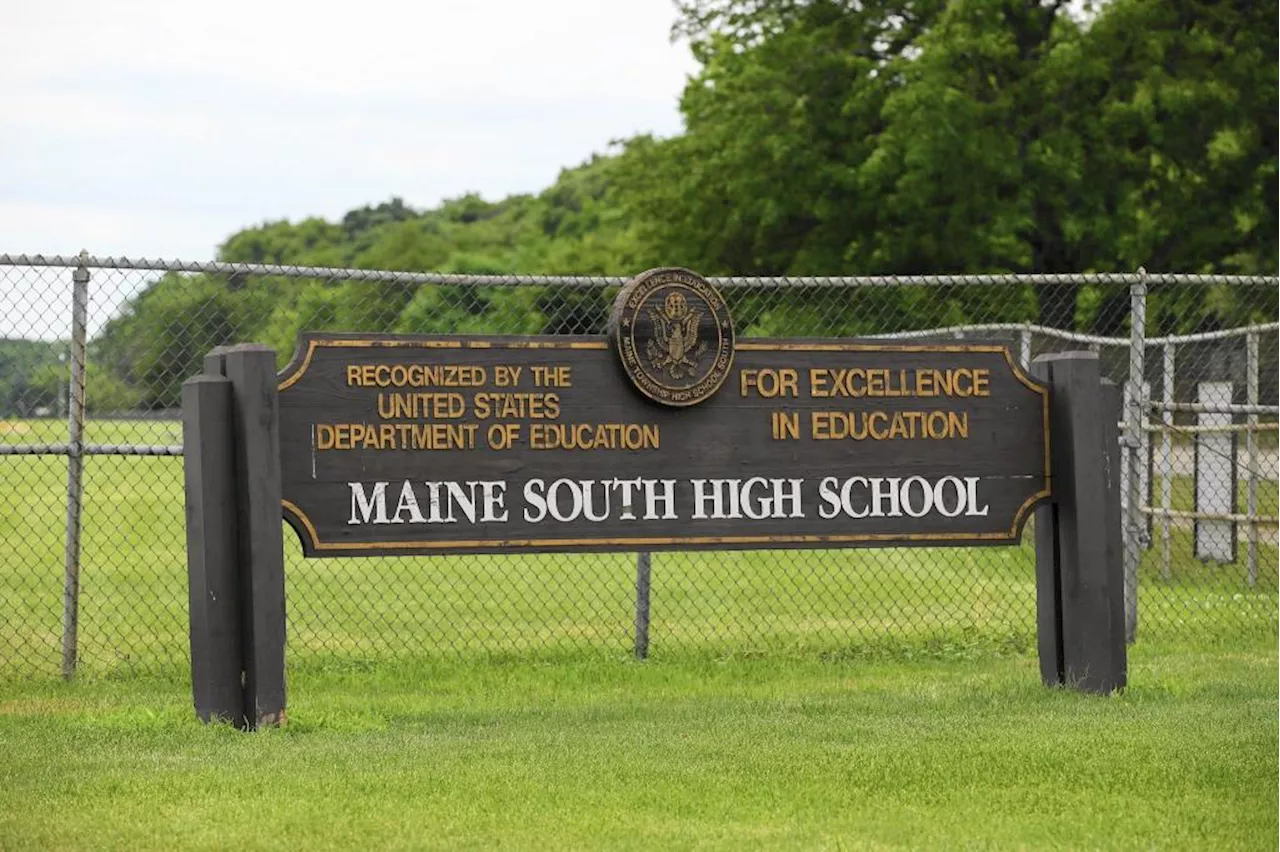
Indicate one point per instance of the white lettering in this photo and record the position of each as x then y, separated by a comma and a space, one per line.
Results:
926, 497
454, 495
374, 504
628, 488
495, 498
575, 500
830, 499
702, 497
764, 505
880, 494
846, 497
433, 503
408, 502
971, 495
787, 491
652, 498
533, 491
938, 493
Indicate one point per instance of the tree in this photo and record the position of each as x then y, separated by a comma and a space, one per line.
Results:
161, 338
986, 136
830, 137
785, 108
33, 375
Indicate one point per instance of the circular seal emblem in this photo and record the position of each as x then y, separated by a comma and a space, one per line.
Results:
673, 334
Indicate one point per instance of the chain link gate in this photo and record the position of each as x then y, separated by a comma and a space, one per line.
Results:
92, 566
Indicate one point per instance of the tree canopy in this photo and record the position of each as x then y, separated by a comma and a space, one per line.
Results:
829, 137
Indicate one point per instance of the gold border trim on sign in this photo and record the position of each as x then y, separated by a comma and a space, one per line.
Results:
288, 378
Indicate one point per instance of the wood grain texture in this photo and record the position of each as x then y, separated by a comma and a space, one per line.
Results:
255, 414
212, 563
729, 436
1079, 570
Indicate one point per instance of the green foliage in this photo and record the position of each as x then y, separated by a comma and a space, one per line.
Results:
832, 137
107, 393
163, 335
33, 376
979, 136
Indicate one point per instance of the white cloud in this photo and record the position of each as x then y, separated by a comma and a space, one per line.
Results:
426, 49
159, 128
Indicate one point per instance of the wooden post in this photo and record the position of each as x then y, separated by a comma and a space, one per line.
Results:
1113, 408
255, 418
212, 567
1048, 576
1079, 553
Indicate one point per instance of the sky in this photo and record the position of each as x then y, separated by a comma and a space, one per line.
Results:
158, 129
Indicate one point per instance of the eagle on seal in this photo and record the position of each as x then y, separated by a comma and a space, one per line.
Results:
675, 347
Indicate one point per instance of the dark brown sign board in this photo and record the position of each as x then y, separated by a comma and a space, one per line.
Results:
669, 433
452, 444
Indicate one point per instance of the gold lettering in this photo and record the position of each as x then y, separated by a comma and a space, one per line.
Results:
886, 426
785, 425
770, 383
818, 382
415, 375
857, 382
594, 436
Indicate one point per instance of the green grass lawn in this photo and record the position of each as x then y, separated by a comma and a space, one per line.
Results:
817, 699
850, 603
770, 753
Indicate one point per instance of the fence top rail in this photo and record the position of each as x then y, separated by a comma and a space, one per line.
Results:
91, 449
1078, 337
1211, 408
983, 328
88, 261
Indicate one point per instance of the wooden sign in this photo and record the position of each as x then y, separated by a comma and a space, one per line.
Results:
669, 433
448, 444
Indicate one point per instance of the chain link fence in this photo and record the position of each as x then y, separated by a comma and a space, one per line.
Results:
93, 353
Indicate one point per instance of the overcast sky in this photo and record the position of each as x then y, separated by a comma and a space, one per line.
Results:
158, 129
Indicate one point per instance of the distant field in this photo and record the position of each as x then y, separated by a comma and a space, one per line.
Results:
860, 603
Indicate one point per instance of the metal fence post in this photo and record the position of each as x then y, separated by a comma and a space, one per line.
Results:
1024, 349
75, 470
1135, 421
1168, 376
1251, 451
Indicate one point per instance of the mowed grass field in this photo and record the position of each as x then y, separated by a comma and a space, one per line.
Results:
839, 699
354, 611
771, 753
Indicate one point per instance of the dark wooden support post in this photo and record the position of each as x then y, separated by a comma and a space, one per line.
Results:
1113, 411
1049, 583
1079, 558
254, 418
211, 550
256, 415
